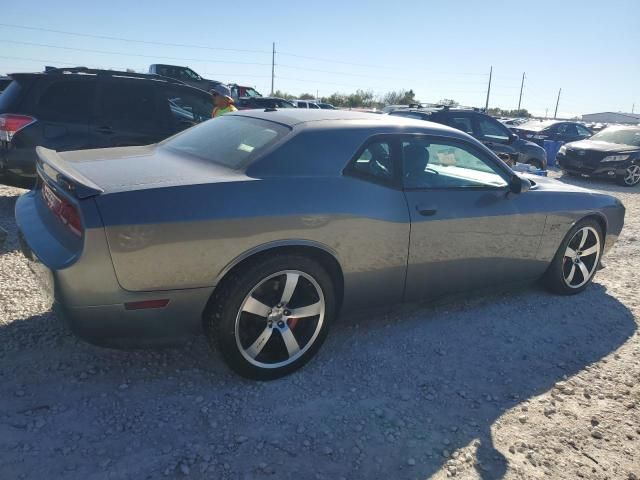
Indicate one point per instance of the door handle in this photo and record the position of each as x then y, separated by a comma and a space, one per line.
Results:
426, 211
105, 129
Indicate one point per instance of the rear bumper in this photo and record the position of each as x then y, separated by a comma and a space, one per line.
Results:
17, 165
86, 295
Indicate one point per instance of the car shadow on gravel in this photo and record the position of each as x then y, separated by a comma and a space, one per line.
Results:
601, 184
395, 394
7, 206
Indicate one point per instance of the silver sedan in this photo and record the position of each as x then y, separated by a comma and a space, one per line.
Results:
259, 227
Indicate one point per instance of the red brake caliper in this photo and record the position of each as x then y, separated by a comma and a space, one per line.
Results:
293, 322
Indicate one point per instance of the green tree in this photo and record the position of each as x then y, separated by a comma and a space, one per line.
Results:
306, 96
448, 102
281, 94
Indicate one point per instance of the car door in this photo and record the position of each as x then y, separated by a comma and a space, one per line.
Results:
570, 133
467, 229
495, 136
379, 226
128, 114
63, 111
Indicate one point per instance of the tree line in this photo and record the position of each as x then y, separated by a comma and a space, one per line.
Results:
367, 99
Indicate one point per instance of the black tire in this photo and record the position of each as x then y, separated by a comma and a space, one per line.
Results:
621, 179
534, 162
220, 325
554, 277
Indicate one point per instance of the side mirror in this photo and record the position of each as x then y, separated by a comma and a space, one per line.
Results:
519, 184
513, 137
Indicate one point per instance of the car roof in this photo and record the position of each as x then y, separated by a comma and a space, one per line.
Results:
319, 118
113, 74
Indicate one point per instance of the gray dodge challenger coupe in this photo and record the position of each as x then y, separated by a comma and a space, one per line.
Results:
258, 227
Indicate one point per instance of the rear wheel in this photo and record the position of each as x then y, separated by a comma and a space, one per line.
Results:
271, 317
576, 261
631, 176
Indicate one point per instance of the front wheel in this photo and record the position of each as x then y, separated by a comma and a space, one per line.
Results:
631, 176
576, 261
271, 317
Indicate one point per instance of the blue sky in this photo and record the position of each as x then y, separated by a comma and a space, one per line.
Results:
440, 49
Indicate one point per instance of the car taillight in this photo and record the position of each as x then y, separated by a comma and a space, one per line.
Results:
11, 123
66, 212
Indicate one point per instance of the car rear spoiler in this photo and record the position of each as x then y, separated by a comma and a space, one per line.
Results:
55, 168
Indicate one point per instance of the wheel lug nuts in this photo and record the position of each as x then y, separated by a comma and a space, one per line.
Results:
287, 312
281, 324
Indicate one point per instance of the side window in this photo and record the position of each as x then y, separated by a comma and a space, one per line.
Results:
128, 103
375, 162
313, 105
441, 164
461, 122
571, 129
302, 104
187, 107
67, 99
492, 130
583, 131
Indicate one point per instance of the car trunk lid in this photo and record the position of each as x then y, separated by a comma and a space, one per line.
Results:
113, 170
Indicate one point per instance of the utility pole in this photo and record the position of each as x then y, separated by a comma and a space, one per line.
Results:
486, 105
521, 87
546, 113
273, 65
633, 107
557, 103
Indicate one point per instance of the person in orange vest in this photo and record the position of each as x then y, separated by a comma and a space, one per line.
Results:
222, 101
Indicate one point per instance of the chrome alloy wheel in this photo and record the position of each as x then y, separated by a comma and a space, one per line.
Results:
581, 257
280, 319
632, 175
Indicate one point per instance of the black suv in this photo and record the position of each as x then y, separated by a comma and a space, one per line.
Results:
79, 108
485, 128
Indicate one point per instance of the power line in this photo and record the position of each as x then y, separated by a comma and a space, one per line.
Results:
45, 45
121, 39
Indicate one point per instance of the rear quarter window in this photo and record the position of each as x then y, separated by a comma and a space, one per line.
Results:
233, 141
72, 99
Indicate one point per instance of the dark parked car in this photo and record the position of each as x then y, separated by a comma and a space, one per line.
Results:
257, 227
4, 83
614, 153
557, 130
184, 74
246, 103
326, 106
486, 129
73, 109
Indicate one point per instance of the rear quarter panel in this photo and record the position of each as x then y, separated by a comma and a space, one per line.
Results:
187, 237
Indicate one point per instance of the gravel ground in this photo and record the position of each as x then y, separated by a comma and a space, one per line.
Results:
518, 384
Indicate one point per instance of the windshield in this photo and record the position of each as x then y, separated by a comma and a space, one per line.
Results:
623, 136
230, 140
251, 92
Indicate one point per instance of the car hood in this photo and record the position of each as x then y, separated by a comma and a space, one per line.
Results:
136, 168
598, 146
553, 185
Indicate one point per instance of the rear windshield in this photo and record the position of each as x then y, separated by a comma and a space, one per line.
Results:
535, 126
623, 136
230, 140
